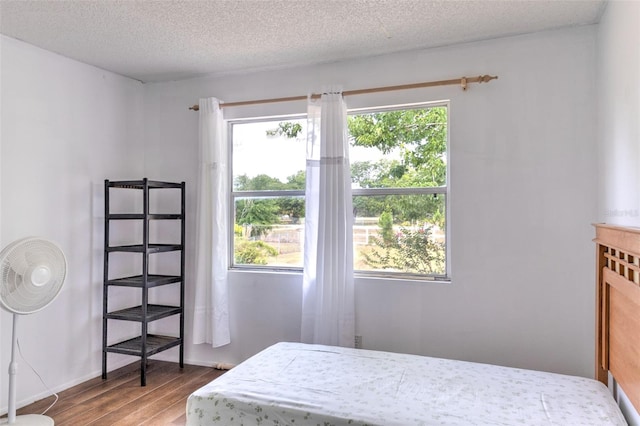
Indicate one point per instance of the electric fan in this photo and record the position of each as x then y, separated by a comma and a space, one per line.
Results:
32, 271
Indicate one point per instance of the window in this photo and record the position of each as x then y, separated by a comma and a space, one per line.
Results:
268, 172
398, 161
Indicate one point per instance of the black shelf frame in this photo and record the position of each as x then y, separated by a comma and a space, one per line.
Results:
154, 312
145, 248
145, 345
140, 216
138, 281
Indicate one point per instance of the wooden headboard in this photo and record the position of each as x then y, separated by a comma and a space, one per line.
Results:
618, 307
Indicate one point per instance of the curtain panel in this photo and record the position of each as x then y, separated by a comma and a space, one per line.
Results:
211, 307
328, 315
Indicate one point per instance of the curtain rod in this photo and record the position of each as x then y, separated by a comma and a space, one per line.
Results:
463, 81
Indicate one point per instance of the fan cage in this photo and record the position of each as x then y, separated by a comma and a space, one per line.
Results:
32, 271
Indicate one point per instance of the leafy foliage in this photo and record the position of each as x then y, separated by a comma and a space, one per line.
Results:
266, 212
253, 252
258, 183
419, 134
420, 138
260, 214
386, 227
409, 250
286, 128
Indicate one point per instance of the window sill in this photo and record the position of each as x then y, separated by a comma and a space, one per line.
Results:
359, 276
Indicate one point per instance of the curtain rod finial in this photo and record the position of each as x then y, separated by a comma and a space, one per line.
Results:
195, 107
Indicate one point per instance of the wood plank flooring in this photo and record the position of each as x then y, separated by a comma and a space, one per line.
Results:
121, 401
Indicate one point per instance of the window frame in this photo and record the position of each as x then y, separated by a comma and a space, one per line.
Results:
435, 190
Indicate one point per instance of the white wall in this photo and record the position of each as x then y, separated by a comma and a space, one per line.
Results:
65, 127
618, 71
523, 155
619, 113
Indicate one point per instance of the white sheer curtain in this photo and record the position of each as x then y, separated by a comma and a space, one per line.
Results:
211, 308
328, 292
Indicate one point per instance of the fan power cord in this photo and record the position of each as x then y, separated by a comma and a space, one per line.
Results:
41, 380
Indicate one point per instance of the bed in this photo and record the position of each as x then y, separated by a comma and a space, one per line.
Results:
299, 384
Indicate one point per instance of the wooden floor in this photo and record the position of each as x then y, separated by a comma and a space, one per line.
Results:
120, 400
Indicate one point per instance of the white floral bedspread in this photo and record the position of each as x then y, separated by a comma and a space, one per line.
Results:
291, 384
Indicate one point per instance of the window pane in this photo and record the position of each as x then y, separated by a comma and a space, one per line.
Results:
269, 155
399, 149
400, 233
269, 231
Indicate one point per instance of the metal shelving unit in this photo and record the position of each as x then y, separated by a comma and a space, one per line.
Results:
146, 344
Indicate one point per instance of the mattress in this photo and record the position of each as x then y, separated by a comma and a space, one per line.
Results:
291, 384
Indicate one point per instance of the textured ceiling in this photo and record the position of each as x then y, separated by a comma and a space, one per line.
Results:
151, 40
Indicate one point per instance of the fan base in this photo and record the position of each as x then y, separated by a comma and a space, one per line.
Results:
32, 420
